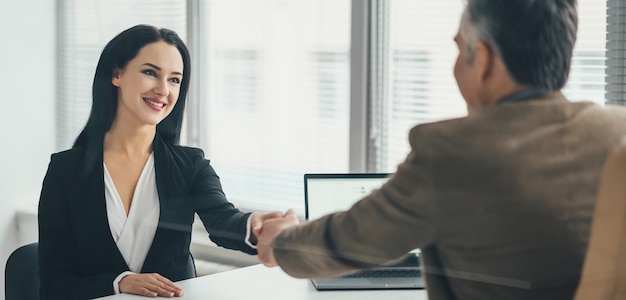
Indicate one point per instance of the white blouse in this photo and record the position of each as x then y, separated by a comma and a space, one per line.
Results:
134, 233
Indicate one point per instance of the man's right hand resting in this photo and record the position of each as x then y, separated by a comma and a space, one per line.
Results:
149, 285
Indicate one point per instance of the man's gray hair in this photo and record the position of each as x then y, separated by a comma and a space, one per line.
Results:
534, 38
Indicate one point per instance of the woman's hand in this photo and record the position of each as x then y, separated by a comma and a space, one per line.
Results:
271, 229
150, 285
257, 219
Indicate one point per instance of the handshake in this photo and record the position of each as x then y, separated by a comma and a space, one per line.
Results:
266, 227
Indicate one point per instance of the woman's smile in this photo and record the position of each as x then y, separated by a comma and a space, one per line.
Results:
155, 104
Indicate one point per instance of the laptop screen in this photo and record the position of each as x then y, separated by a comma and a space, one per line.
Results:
327, 193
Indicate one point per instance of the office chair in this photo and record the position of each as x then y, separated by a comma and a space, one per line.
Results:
191, 267
604, 270
21, 275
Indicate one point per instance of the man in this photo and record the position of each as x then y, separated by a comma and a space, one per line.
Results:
499, 202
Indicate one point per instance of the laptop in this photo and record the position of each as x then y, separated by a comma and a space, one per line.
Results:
328, 193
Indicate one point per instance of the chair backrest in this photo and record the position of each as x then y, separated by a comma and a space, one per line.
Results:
21, 275
604, 270
191, 267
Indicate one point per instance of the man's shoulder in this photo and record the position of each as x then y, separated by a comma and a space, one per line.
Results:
443, 127
507, 114
586, 113
510, 121
609, 110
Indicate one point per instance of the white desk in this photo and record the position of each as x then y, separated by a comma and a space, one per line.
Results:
259, 282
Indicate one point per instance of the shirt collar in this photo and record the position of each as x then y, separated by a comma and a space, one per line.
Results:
523, 96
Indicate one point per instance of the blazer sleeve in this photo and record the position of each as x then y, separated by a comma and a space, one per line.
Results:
59, 271
382, 227
226, 225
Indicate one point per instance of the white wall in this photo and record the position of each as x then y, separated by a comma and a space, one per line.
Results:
27, 97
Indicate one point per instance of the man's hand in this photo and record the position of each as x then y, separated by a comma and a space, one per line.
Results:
270, 230
149, 285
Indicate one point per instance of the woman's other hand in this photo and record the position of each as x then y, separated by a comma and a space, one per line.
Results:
149, 285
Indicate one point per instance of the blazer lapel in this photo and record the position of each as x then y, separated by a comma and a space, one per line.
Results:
174, 216
165, 185
91, 212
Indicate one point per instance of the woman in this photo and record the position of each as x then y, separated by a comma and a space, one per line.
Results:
116, 210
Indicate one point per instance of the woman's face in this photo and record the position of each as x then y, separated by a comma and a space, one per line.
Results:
149, 85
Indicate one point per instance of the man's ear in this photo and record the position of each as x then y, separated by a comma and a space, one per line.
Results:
115, 78
484, 60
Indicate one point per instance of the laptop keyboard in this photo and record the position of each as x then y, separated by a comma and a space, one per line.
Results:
384, 273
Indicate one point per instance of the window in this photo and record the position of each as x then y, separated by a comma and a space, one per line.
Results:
586, 79
237, 86
418, 56
275, 95
332, 79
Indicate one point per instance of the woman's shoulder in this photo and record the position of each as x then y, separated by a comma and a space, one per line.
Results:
176, 150
66, 164
187, 160
192, 153
183, 157
67, 156
188, 150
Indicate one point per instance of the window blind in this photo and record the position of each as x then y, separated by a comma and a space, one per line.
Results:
84, 28
416, 71
615, 53
586, 79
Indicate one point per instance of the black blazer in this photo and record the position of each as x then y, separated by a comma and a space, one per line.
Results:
78, 257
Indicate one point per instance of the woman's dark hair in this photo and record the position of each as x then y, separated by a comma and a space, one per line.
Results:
116, 55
